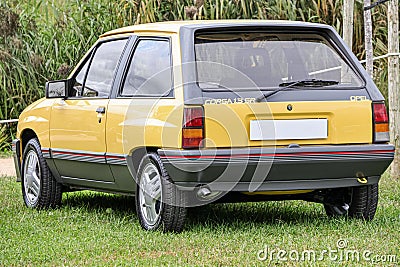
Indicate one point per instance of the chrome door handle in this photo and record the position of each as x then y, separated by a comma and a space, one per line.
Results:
101, 110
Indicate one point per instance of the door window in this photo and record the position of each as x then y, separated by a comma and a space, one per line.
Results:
96, 80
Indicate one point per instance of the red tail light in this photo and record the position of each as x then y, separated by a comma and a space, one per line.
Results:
193, 127
381, 123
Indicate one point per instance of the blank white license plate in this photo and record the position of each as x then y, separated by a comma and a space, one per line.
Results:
288, 129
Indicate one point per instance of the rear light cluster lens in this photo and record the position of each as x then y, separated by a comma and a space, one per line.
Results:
193, 127
381, 123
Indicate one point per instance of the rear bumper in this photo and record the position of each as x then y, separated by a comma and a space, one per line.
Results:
16, 149
267, 169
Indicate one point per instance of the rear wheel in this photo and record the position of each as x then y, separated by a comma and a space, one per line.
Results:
39, 188
159, 204
356, 202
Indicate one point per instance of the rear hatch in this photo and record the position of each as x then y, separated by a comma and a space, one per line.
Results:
311, 123
265, 88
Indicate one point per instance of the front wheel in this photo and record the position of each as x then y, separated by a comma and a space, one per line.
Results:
159, 204
39, 188
356, 202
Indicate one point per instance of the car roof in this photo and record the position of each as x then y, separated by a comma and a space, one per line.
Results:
174, 26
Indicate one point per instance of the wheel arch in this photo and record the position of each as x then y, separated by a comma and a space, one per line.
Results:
136, 155
26, 135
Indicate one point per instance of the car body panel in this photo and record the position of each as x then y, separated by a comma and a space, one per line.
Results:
141, 122
36, 117
79, 139
83, 130
227, 125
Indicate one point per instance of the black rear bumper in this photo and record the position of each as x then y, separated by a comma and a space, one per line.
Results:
266, 169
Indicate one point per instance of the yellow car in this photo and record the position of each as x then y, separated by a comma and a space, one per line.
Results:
187, 113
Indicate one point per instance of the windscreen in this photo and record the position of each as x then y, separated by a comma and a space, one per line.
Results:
268, 61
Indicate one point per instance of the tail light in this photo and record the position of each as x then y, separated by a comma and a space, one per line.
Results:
381, 123
193, 127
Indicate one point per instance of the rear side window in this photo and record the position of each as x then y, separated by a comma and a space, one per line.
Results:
268, 60
150, 69
96, 76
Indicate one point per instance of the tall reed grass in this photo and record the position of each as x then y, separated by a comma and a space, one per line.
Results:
41, 40
47, 38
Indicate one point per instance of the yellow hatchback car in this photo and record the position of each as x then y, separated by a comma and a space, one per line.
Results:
186, 113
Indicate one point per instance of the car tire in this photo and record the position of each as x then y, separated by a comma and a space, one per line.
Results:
160, 205
39, 188
359, 202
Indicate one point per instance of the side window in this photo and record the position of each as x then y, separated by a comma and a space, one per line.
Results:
95, 77
102, 68
150, 70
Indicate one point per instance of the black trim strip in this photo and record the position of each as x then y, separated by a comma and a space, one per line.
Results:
46, 153
279, 158
116, 159
248, 152
84, 156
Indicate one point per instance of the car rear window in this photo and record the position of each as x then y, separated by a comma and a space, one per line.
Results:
250, 60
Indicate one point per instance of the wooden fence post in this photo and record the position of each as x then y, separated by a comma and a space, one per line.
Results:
368, 39
348, 18
393, 83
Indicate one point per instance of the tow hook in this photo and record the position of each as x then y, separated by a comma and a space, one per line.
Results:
362, 180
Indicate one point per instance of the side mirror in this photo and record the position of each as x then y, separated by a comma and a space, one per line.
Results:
56, 89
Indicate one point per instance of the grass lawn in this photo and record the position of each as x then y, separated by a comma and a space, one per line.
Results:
102, 229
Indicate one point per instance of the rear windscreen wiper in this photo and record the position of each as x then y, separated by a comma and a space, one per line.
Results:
309, 83
302, 83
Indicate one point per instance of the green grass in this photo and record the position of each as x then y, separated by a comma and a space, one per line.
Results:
97, 229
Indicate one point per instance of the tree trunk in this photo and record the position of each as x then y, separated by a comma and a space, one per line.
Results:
368, 39
393, 85
348, 15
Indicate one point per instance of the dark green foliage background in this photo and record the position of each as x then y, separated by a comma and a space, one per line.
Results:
41, 40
